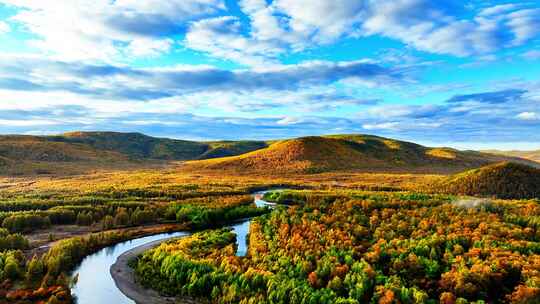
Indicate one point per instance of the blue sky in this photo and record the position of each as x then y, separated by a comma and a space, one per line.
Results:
456, 73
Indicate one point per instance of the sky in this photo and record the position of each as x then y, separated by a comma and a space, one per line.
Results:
464, 74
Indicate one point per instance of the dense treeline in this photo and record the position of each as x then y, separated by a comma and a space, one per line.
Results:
12, 241
28, 211
27, 221
362, 248
200, 213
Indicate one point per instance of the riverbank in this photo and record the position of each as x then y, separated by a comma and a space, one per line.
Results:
41, 243
124, 278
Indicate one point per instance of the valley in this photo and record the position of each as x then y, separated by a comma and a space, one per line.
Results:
363, 219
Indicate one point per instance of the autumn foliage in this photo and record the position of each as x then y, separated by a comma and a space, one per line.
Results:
357, 247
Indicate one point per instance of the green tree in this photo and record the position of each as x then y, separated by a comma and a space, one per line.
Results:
35, 270
108, 222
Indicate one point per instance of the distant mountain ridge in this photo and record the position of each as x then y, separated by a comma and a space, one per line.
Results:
531, 155
137, 145
22, 153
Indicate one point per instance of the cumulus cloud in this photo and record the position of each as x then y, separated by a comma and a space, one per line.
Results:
433, 26
106, 30
274, 28
528, 116
143, 47
222, 37
283, 26
85, 29
4, 27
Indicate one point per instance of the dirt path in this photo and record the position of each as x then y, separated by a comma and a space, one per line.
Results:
124, 278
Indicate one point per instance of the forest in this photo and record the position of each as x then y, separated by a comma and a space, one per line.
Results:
107, 217
361, 247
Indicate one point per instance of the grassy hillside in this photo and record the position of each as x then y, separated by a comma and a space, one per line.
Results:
93, 150
136, 145
140, 146
502, 180
31, 154
231, 148
32, 148
347, 152
531, 155
82, 151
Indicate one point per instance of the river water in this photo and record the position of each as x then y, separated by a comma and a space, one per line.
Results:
95, 284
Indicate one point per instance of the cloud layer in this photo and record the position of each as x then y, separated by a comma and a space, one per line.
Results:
108, 30
414, 69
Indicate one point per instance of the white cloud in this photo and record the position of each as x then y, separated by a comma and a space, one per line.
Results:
222, 38
97, 29
528, 116
276, 28
4, 27
498, 9
289, 120
27, 122
426, 25
524, 24
142, 47
108, 30
382, 126
322, 21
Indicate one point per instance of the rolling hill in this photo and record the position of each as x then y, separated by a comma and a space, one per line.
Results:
505, 180
348, 152
21, 154
531, 155
67, 152
140, 146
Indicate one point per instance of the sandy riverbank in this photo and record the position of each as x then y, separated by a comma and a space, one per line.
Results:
124, 278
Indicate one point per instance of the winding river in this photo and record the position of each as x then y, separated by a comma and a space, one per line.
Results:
95, 284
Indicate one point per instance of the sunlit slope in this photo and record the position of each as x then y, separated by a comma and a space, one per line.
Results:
33, 148
21, 155
347, 152
502, 180
531, 155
